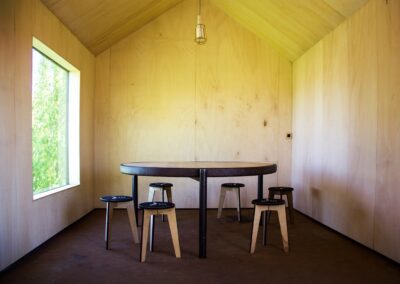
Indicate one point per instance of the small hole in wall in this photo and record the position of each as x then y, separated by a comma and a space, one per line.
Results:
289, 135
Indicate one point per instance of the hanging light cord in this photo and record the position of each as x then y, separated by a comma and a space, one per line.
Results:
199, 7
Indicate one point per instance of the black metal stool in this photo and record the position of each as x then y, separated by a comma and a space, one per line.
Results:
111, 202
158, 208
230, 187
263, 206
283, 190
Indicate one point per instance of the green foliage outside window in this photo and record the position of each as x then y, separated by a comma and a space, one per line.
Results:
49, 124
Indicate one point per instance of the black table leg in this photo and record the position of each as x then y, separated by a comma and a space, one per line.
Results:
260, 192
203, 214
135, 195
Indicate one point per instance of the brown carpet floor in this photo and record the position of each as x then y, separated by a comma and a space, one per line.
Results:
317, 255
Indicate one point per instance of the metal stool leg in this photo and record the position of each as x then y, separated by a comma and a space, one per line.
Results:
239, 206
264, 221
109, 214
290, 205
151, 243
107, 229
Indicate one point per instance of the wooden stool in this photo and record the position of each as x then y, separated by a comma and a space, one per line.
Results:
230, 187
158, 208
111, 202
164, 187
283, 190
264, 205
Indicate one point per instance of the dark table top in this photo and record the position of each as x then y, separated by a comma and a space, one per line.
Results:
192, 169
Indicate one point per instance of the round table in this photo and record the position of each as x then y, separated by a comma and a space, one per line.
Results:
199, 171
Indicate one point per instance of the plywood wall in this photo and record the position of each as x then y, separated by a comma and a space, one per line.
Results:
346, 122
161, 97
24, 223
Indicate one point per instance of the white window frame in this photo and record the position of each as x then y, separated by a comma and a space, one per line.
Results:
73, 119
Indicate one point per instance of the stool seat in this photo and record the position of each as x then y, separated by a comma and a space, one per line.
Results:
268, 202
161, 184
283, 189
116, 198
156, 205
230, 184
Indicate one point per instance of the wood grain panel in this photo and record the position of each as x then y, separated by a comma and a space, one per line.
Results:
307, 85
149, 111
387, 212
7, 128
29, 223
172, 100
236, 103
362, 125
332, 189
99, 25
344, 157
346, 7
285, 123
290, 26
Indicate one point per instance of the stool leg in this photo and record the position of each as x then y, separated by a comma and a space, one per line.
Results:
163, 200
132, 222
221, 201
238, 204
254, 232
173, 226
167, 190
283, 224
145, 235
150, 198
151, 243
107, 228
265, 215
271, 195
290, 205
169, 194
109, 214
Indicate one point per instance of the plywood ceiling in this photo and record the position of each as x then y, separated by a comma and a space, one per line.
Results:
290, 26
101, 23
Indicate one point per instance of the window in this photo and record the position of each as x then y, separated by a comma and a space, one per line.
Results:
55, 122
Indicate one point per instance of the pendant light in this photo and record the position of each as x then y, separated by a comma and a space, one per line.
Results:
200, 29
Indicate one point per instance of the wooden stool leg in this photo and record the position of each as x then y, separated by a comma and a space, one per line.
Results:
238, 204
145, 235
167, 190
150, 198
283, 224
221, 201
254, 232
169, 194
173, 226
132, 222
290, 205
